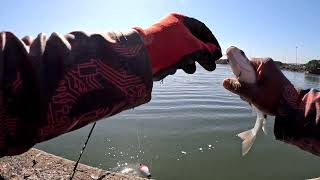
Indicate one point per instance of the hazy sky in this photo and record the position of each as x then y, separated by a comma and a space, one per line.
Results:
262, 28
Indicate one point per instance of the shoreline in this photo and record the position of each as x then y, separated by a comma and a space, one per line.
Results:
37, 164
281, 65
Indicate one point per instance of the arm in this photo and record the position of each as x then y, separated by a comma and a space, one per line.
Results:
53, 85
298, 123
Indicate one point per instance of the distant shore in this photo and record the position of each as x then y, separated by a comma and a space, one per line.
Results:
291, 67
281, 65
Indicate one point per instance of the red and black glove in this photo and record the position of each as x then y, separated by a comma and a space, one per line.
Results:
176, 42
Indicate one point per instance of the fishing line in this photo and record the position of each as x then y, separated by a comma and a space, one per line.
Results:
139, 141
151, 163
81, 152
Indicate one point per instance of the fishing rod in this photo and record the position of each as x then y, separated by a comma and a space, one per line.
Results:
81, 152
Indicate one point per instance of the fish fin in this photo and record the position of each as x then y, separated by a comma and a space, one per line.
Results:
264, 127
248, 139
244, 135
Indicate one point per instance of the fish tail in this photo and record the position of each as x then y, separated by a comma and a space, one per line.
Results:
248, 139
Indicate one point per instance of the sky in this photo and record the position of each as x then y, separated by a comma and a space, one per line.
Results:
264, 28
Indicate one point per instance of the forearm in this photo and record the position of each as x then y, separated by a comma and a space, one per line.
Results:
299, 125
60, 84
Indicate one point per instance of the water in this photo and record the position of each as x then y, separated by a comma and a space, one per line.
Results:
188, 131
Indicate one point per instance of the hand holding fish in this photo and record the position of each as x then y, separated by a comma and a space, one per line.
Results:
296, 111
266, 93
260, 83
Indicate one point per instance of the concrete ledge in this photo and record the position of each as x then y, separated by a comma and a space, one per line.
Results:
37, 164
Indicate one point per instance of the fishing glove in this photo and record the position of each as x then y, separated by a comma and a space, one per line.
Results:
176, 42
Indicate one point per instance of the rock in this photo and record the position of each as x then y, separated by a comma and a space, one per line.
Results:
49, 166
290, 67
14, 177
313, 67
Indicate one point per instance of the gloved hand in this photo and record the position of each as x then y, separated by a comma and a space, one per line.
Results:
176, 42
271, 91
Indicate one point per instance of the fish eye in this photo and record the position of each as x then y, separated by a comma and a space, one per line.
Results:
242, 53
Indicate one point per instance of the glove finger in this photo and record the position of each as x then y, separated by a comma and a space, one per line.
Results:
200, 31
203, 57
187, 64
189, 68
210, 43
203, 34
206, 60
162, 74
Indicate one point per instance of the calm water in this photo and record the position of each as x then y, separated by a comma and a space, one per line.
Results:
189, 113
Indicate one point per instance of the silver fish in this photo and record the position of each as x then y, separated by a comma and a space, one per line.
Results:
244, 71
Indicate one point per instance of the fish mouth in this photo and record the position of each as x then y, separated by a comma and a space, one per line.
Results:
230, 49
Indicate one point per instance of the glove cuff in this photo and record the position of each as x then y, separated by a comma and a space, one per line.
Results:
167, 42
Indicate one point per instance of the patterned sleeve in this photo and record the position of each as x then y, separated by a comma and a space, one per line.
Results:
58, 84
300, 124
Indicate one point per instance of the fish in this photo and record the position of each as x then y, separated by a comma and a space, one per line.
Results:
144, 170
245, 72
